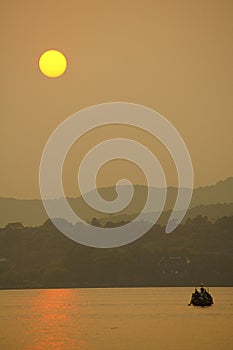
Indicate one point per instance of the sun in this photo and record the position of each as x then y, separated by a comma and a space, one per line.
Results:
52, 63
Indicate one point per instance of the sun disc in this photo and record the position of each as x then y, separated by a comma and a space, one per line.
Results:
52, 63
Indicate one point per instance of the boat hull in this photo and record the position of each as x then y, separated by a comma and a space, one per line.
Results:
205, 300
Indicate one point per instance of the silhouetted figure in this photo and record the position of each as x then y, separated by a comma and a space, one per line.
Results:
195, 296
202, 289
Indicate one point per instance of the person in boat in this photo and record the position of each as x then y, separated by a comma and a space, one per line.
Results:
202, 289
195, 296
204, 294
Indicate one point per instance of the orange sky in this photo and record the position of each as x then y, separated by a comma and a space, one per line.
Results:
173, 56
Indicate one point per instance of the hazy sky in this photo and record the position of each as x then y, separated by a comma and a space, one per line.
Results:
173, 56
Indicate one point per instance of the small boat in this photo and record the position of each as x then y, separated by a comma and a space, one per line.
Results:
202, 298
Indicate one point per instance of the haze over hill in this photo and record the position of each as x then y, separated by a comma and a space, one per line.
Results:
213, 201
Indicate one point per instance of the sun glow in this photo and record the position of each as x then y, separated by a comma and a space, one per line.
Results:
52, 63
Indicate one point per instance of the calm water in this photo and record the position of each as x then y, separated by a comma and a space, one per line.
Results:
114, 319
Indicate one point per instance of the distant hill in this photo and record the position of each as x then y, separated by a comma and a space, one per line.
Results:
213, 201
211, 211
221, 192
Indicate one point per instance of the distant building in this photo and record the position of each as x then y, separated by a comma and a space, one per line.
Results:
15, 225
174, 265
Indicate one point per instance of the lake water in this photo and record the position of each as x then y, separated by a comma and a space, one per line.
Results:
114, 319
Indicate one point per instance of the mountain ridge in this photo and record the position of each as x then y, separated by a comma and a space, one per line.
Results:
31, 211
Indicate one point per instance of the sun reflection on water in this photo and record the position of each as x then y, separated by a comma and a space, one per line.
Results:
52, 316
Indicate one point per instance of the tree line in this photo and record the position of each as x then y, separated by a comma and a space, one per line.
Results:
41, 257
